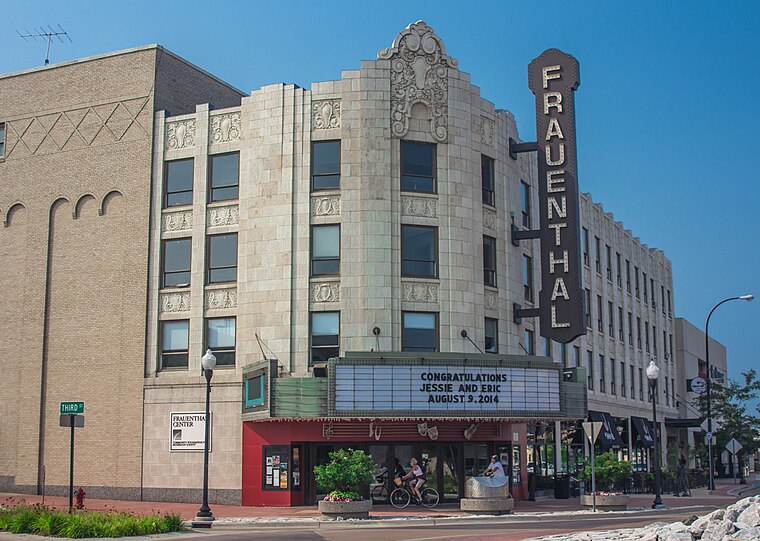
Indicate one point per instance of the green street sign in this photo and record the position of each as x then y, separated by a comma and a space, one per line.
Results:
72, 408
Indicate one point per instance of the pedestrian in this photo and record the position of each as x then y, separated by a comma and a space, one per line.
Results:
682, 478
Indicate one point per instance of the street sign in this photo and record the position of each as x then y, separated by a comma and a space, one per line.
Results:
698, 385
72, 408
715, 425
733, 446
592, 430
709, 436
77, 421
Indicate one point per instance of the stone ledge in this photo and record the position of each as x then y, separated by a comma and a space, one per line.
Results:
487, 506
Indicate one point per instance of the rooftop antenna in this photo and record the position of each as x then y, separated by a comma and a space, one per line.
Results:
48, 35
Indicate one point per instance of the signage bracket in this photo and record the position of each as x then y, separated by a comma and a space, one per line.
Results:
523, 234
520, 312
516, 148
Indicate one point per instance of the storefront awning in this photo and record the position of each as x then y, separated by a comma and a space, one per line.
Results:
608, 437
644, 432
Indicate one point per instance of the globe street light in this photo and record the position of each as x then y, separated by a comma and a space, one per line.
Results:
711, 479
208, 362
653, 372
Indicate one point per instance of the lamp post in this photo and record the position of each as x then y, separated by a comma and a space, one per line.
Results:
208, 362
653, 372
711, 479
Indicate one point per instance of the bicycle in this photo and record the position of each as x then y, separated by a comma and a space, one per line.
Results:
402, 496
379, 493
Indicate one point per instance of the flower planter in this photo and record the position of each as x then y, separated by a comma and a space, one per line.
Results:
606, 502
335, 510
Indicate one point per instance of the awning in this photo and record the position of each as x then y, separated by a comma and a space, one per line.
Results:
608, 437
644, 432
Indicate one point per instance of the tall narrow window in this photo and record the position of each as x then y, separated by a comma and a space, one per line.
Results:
599, 314
576, 356
665, 391
590, 370
598, 255
220, 338
487, 179
419, 246
2, 140
224, 172
673, 391
528, 278
623, 387
222, 258
621, 325
644, 281
489, 261
525, 204
641, 384
636, 280
417, 167
646, 335
174, 343
584, 246
665, 344
610, 319
530, 342
662, 297
613, 380
325, 250
654, 340
492, 335
670, 306
628, 275
325, 165
619, 271
420, 331
609, 262
638, 332
633, 382
546, 346
325, 336
563, 354
630, 329
602, 374
176, 263
588, 307
178, 183
653, 291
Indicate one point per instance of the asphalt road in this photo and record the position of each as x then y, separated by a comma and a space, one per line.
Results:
506, 530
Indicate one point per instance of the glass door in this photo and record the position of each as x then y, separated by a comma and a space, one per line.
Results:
451, 462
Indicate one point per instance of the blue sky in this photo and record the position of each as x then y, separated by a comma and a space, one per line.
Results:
668, 92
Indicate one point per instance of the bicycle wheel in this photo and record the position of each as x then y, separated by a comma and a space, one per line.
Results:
379, 494
400, 498
429, 497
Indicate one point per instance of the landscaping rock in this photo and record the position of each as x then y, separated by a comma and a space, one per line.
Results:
747, 534
718, 530
750, 516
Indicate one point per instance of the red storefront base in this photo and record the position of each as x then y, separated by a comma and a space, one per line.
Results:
279, 454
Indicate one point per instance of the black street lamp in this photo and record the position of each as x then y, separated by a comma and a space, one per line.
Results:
653, 372
711, 479
208, 362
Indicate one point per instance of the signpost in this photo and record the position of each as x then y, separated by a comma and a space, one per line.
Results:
71, 416
734, 447
592, 430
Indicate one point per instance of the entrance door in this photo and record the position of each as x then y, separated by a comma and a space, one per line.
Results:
451, 480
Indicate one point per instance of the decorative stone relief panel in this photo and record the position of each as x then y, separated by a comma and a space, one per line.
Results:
491, 300
325, 292
218, 216
217, 299
224, 127
420, 292
177, 221
489, 219
325, 206
326, 114
419, 206
419, 74
486, 131
175, 302
180, 134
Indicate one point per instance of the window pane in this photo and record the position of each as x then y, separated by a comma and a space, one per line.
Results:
254, 389
489, 261
491, 336
419, 332
174, 336
487, 174
179, 182
179, 198
176, 262
418, 251
417, 167
324, 336
326, 241
325, 323
224, 176
326, 158
221, 333
222, 258
221, 194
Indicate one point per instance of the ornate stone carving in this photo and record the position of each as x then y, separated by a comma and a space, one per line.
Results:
175, 302
223, 216
325, 292
177, 221
419, 206
492, 300
326, 114
225, 127
420, 292
489, 219
419, 74
327, 430
218, 299
180, 134
325, 206
486, 131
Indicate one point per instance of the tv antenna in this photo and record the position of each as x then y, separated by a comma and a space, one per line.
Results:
48, 35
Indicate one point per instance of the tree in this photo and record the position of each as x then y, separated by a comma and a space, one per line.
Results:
731, 407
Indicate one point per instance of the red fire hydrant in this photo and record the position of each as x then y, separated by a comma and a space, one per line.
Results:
79, 495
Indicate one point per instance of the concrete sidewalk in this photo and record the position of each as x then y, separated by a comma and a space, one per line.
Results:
700, 499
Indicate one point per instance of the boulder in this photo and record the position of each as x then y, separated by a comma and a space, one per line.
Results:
718, 530
747, 534
750, 516
698, 527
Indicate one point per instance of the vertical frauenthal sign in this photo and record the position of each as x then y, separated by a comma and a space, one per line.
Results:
553, 78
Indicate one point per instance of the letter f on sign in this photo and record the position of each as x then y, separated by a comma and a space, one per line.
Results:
548, 75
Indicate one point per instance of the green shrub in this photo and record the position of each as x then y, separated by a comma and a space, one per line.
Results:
348, 471
609, 471
23, 518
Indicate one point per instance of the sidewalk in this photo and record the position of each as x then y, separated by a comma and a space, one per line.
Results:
700, 498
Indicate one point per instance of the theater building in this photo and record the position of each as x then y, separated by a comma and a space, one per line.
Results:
346, 252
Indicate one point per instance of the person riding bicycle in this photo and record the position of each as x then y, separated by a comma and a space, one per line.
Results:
419, 479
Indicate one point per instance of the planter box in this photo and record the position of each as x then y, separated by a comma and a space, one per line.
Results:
617, 502
335, 510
